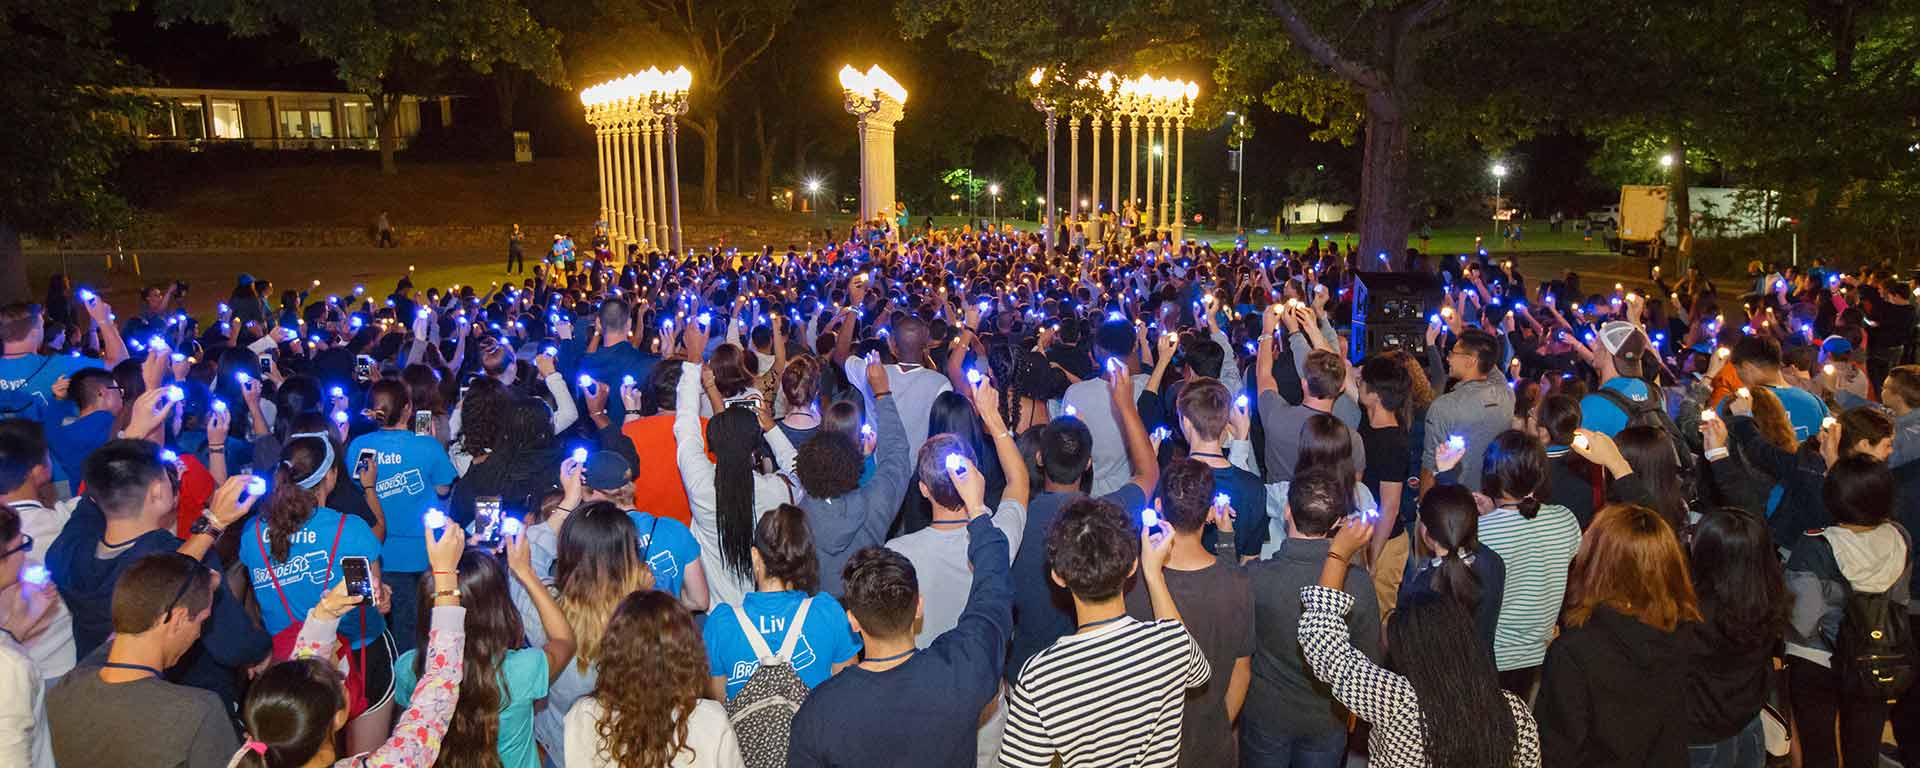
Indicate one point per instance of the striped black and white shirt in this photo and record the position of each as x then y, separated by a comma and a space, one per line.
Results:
1110, 697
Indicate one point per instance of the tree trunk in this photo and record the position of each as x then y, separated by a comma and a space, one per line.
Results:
733, 184
1383, 180
1679, 194
387, 113
764, 185
708, 127
508, 82
13, 266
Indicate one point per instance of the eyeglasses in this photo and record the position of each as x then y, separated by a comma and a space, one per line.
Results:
25, 546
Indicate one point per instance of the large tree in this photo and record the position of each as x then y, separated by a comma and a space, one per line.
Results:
715, 39
385, 47
1379, 72
66, 123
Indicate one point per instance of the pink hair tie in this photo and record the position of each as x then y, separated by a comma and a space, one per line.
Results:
256, 747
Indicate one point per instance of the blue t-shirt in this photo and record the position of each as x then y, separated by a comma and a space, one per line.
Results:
411, 467
26, 382
523, 680
668, 547
1804, 410
825, 640
307, 574
1598, 414
73, 442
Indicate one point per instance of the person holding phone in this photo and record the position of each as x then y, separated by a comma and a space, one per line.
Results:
412, 474
295, 548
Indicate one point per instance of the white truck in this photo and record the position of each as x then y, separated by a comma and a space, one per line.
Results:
1646, 214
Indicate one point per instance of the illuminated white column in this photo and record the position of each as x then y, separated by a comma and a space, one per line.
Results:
1166, 155
1133, 173
1073, 169
649, 207
1096, 230
622, 179
662, 236
1113, 200
600, 147
1152, 211
1179, 171
877, 102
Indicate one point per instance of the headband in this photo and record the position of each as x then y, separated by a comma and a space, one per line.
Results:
319, 470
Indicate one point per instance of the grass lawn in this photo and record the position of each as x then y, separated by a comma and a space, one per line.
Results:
1451, 239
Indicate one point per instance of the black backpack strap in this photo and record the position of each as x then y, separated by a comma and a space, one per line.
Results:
1627, 406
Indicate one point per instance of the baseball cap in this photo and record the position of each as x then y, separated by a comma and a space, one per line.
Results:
1616, 336
1836, 345
606, 471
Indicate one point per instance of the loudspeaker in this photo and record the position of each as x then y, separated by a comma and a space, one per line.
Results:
1390, 311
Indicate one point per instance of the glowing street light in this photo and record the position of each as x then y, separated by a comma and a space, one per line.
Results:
634, 120
993, 191
876, 101
1666, 161
1499, 175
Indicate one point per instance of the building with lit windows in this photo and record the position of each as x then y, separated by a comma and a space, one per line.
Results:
193, 118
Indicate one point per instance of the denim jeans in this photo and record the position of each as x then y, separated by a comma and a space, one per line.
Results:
1279, 750
1746, 749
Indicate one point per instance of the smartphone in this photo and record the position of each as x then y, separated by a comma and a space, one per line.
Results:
364, 461
358, 575
486, 521
423, 423
266, 363
362, 368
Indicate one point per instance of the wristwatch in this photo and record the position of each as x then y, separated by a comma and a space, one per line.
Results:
206, 525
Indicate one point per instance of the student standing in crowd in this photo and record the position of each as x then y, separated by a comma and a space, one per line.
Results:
1738, 580
1444, 706
1291, 718
787, 599
1629, 593
929, 694
647, 707
1117, 685
1216, 605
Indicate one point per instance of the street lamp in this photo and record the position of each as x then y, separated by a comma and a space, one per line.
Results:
630, 116
1240, 164
1666, 161
993, 191
813, 195
1499, 175
876, 101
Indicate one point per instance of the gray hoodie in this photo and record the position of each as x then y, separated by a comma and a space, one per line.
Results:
845, 525
1475, 410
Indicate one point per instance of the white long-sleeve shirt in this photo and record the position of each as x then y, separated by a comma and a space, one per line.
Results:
697, 473
24, 739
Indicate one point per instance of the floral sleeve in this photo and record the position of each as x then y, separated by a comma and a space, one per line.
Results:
415, 742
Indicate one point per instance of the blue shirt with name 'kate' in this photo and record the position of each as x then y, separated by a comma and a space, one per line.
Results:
410, 468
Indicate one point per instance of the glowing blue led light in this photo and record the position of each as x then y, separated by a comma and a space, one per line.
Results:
955, 464
338, 392
586, 382
1222, 500
974, 377
175, 393
340, 417
1456, 442
257, 486
1072, 411
1240, 402
36, 575
627, 380
512, 527
1149, 518
220, 406
167, 455
434, 519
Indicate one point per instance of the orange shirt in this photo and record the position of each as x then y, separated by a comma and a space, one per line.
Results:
657, 489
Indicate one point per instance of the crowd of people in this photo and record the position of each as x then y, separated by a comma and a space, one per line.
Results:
964, 500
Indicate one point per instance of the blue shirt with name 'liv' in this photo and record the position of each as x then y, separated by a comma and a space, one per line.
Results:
826, 639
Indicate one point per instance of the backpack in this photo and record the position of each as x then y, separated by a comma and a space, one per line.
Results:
762, 714
1873, 651
1652, 413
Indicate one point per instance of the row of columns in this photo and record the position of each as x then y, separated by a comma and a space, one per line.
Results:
1155, 210
639, 180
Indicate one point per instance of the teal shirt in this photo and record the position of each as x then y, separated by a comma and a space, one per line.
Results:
523, 680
